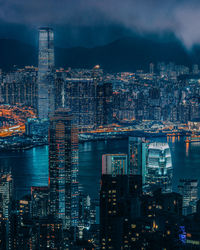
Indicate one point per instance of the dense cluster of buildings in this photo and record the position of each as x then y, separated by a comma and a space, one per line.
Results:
167, 92
137, 208
98, 98
134, 211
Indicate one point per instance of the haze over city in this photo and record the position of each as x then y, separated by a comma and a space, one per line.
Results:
91, 22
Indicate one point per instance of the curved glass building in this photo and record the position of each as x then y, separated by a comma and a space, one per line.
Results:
158, 167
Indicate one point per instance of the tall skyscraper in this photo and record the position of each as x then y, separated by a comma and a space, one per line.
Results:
158, 172
63, 168
189, 190
45, 73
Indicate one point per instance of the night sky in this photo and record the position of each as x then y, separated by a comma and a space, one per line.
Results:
94, 22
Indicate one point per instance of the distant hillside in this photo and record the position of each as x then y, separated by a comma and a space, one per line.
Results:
13, 52
126, 54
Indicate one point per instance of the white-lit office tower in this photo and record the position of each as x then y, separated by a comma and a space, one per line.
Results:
46, 101
158, 172
189, 190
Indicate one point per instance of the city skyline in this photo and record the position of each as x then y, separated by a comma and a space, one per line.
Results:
99, 134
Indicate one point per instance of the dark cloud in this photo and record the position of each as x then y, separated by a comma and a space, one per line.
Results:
180, 16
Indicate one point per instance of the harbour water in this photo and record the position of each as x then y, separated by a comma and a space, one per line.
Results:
30, 167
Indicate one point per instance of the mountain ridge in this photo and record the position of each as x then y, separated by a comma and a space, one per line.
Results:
125, 54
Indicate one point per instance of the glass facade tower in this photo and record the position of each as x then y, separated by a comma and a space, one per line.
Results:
45, 73
63, 168
159, 167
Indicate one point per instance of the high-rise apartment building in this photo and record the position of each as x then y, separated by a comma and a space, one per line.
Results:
46, 101
6, 193
20, 87
39, 201
86, 95
188, 188
135, 154
104, 112
63, 168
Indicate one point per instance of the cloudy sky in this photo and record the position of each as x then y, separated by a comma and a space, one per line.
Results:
92, 22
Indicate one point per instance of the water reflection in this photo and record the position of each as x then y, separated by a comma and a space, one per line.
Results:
30, 168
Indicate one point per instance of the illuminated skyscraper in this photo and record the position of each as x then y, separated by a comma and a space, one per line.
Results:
63, 168
158, 171
45, 73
